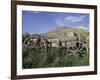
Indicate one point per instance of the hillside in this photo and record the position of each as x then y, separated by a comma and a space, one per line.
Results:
63, 32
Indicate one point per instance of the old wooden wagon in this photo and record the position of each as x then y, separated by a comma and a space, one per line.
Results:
75, 46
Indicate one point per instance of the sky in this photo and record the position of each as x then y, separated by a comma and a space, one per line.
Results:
42, 22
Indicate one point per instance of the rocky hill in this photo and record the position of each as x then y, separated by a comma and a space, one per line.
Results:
64, 32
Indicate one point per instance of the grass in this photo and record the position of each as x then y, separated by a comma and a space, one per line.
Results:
52, 57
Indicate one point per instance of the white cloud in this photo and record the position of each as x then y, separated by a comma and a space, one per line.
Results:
74, 18
82, 27
59, 22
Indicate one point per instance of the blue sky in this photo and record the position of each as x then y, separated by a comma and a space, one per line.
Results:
41, 22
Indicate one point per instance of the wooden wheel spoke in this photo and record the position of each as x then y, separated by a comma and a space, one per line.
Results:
71, 50
81, 48
83, 51
72, 54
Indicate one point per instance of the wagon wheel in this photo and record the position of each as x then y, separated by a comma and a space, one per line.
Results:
78, 50
29, 43
25, 41
41, 44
